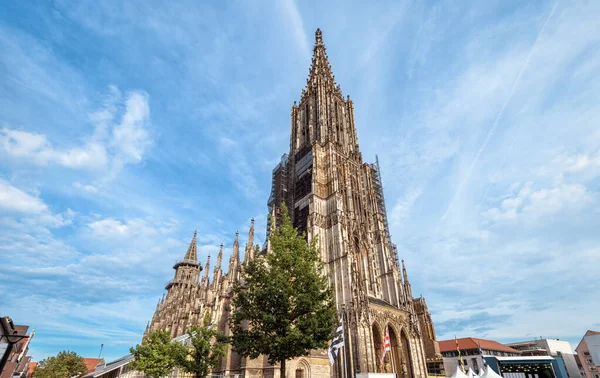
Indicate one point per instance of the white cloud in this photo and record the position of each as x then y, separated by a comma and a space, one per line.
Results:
130, 137
403, 206
35, 148
126, 144
87, 188
109, 228
534, 204
295, 21
14, 199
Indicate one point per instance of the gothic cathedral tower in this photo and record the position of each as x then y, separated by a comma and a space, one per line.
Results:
331, 193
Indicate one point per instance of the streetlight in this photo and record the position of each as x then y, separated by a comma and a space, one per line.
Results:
8, 331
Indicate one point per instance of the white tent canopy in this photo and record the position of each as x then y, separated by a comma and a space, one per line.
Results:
458, 373
481, 371
490, 373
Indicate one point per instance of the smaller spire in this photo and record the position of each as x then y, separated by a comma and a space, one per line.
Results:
206, 268
217, 270
404, 274
249, 253
235, 255
192, 253
219, 257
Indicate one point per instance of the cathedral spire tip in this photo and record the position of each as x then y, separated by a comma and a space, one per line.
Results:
192, 252
319, 37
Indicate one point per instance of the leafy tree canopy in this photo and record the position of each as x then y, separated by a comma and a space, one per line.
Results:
207, 347
66, 364
157, 355
284, 307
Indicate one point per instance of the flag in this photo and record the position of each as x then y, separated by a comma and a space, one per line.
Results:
337, 343
483, 358
460, 360
386, 344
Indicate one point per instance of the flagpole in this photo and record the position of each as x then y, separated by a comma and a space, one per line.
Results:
392, 354
345, 372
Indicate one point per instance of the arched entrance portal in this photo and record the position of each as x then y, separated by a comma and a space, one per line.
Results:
402, 363
302, 369
378, 344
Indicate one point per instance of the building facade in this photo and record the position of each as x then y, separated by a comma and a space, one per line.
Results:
471, 349
588, 351
333, 194
550, 347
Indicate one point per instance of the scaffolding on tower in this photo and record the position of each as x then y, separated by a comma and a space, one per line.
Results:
379, 197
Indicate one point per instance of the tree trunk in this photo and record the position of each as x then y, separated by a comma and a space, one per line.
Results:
282, 372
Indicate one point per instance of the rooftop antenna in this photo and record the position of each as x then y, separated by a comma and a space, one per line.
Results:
99, 354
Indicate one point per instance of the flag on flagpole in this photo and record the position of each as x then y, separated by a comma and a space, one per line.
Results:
386, 344
337, 343
461, 363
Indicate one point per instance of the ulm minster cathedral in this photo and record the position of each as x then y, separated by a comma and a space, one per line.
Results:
332, 193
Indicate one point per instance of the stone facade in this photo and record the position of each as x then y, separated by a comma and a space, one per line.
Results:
332, 194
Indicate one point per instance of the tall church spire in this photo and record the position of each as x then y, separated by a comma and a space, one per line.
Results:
320, 69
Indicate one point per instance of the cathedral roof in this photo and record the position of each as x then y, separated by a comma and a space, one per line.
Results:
475, 343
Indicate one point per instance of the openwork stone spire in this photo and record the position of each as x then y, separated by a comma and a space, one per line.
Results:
320, 69
249, 253
192, 252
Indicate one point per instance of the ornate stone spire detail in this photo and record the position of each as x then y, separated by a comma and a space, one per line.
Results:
206, 268
217, 271
236, 247
407, 287
320, 69
192, 252
249, 253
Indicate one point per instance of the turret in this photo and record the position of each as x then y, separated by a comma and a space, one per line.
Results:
234, 261
206, 269
217, 271
249, 252
407, 288
187, 271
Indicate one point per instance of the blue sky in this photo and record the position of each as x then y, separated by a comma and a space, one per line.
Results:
126, 126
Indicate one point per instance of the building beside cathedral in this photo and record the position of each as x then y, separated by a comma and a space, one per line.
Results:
333, 194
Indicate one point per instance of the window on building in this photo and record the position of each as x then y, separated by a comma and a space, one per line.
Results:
299, 373
475, 365
593, 368
589, 361
586, 353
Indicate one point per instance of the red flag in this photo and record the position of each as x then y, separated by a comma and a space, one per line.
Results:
386, 344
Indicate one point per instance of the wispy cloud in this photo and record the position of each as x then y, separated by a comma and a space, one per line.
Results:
511, 93
296, 24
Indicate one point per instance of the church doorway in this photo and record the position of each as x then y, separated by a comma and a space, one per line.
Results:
378, 344
406, 356
400, 355
302, 369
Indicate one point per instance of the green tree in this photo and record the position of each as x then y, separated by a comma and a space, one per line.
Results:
157, 355
283, 307
207, 347
65, 365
